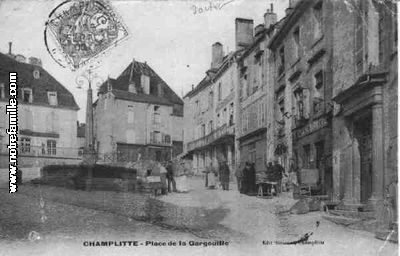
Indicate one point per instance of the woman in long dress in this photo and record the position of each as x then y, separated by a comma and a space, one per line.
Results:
212, 182
182, 182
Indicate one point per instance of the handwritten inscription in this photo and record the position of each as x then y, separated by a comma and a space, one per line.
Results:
211, 6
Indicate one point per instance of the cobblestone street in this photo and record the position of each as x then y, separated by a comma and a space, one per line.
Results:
65, 219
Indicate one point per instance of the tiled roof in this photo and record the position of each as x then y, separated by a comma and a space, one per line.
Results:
40, 85
133, 73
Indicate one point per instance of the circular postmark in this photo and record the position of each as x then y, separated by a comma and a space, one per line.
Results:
79, 31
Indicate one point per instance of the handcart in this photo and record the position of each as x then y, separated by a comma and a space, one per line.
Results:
264, 184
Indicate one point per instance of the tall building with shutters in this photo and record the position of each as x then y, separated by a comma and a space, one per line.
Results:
137, 116
47, 115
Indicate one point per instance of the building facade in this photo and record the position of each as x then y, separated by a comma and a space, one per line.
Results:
210, 114
303, 90
137, 116
365, 94
255, 113
47, 115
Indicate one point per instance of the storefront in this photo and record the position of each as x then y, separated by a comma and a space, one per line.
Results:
312, 147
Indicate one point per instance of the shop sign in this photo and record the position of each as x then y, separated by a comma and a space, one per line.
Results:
310, 128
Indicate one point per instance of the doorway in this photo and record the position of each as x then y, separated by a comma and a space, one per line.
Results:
363, 134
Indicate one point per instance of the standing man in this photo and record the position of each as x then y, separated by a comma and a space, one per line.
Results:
239, 179
170, 177
163, 177
224, 175
278, 173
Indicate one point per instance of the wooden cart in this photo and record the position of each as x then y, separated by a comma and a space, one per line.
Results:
264, 185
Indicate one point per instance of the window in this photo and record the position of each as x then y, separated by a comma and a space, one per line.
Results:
157, 115
210, 126
25, 145
2, 94
224, 117
132, 88
219, 91
319, 152
167, 139
281, 107
203, 130
36, 74
281, 66
211, 99
130, 136
27, 95
307, 156
27, 120
298, 95
52, 98
52, 122
131, 115
51, 147
231, 115
318, 99
155, 137
381, 35
197, 103
296, 38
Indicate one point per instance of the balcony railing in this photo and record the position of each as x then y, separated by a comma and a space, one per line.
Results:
218, 133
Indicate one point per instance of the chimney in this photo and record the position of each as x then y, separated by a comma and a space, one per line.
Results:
243, 32
270, 18
10, 48
217, 54
288, 10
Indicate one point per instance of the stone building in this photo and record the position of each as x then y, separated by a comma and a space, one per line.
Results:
365, 93
255, 100
210, 114
302, 48
137, 116
47, 115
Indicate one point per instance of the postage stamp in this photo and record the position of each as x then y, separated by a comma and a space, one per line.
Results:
78, 32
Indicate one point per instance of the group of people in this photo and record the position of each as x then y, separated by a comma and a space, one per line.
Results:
170, 181
246, 177
214, 177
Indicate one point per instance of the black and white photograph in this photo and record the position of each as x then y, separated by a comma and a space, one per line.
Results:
198, 127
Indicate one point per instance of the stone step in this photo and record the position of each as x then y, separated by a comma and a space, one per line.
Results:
344, 221
351, 207
353, 214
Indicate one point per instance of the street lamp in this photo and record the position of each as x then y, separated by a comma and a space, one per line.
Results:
89, 78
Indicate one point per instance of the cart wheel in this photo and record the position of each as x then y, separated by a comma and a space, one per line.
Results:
260, 190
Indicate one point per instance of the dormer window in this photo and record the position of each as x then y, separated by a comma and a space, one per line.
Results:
52, 98
36, 74
27, 96
132, 88
2, 93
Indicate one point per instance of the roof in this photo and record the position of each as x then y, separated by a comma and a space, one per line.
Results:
215, 74
40, 85
132, 73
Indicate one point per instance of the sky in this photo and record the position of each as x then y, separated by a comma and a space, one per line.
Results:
167, 34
